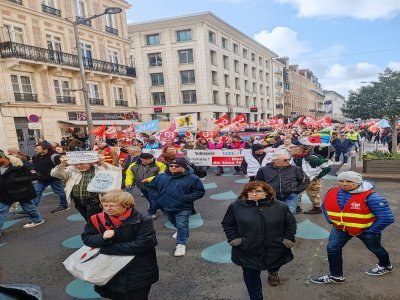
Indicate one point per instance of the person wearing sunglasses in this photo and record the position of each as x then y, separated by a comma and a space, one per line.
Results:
287, 180
261, 231
175, 191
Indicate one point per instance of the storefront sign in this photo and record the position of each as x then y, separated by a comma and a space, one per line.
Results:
81, 116
82, 157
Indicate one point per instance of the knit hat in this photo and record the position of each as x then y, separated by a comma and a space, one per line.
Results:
256, 147
146, 156
350, 176
180, 162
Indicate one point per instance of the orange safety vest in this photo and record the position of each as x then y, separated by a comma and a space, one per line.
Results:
122, 157
107, 156
355, 216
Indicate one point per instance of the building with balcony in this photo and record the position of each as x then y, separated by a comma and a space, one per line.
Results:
40, 71
306, 96
200, 64
333, 104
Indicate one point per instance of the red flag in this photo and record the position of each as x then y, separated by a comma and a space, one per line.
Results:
309, 121
99, 131
281, 122
223, 121
208, 134
111, 132
273, 121
299, 121
172, 127
167, 135
239, 119
324, 122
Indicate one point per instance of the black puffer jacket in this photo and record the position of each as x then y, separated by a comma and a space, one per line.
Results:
135, 236
16, 185
43, 165
262, 226
285, 181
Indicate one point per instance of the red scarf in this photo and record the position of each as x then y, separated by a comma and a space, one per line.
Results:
117, 220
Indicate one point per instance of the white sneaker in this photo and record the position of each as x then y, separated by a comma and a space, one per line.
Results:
175, 235
30, 225
346, 164
180, 250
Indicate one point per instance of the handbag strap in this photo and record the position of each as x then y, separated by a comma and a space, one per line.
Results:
99, 217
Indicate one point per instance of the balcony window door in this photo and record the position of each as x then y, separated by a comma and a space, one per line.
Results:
62, 89
22, 88
93, 90
86, 50
14, 33
119, 98
80, 8
55, 47
113, 58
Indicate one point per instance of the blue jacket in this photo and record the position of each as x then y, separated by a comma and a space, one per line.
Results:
176, 192
342, 146
376, 203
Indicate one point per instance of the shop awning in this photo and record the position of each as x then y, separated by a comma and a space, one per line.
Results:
97, 122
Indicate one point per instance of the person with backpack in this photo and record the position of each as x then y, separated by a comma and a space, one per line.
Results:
44, 161
121, 230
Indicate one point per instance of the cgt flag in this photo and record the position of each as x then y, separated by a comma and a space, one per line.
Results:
99, 131
223, 121
239, 119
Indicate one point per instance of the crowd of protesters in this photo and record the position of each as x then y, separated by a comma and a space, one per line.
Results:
260, 226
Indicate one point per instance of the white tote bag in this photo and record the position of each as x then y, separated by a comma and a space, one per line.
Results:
89, 265
105, 181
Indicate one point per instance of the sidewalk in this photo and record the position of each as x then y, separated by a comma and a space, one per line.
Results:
359, 165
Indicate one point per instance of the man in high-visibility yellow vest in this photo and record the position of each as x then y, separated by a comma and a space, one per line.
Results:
355, 210
355, 137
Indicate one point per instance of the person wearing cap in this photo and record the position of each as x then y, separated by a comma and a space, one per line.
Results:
76, 178
16, 186
141, 173
287, 180
174, 192
342, 146
253, 160
316, 167
355, 210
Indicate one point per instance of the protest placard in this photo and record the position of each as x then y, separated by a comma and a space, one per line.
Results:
82, 157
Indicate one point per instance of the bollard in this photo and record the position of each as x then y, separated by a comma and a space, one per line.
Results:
353, 163
376, 146
361, 150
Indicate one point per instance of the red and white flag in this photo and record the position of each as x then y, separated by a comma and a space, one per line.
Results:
299, 121
223, 121
324, 122
99, 131
208, 134
239, 119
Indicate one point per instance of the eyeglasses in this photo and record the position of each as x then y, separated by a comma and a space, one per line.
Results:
255, 191
174, 166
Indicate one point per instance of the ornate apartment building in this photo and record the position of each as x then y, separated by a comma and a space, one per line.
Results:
303, 93
40, 70
200, 64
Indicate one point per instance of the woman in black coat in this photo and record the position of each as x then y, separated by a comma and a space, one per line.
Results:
124, 231
261, 231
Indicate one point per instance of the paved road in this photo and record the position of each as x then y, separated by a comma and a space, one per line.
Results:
35, 255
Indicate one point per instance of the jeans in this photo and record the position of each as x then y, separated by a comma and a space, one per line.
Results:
180, 219
252, 279
338, 239
345, 156
56, 186
27, 206
291, 201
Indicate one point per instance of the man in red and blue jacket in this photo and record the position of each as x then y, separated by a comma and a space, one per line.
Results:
355, 210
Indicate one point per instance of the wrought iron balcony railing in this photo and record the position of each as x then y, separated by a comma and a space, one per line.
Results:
16, 1
111, 30
95, 101
65, 100
25, 97
11, 49
83, 21
51, 10
121, 103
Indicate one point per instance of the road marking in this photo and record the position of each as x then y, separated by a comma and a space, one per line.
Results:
209, 186
81, 290
218, 253
74, 242
224, 196
310, 231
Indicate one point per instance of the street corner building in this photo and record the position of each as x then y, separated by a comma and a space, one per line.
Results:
40, 75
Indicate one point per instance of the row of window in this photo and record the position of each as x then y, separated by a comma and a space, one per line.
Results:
181, 36
188, 97
16, 34
22, 85
187, 77
185, 57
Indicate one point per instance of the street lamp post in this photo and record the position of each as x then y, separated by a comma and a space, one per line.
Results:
109, 10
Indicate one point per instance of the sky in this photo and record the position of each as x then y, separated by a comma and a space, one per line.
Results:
343, 42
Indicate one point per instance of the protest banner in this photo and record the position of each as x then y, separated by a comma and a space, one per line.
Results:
82, 157
232, 157
148, 126
186, 123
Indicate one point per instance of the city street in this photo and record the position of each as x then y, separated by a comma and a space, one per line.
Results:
35, 255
